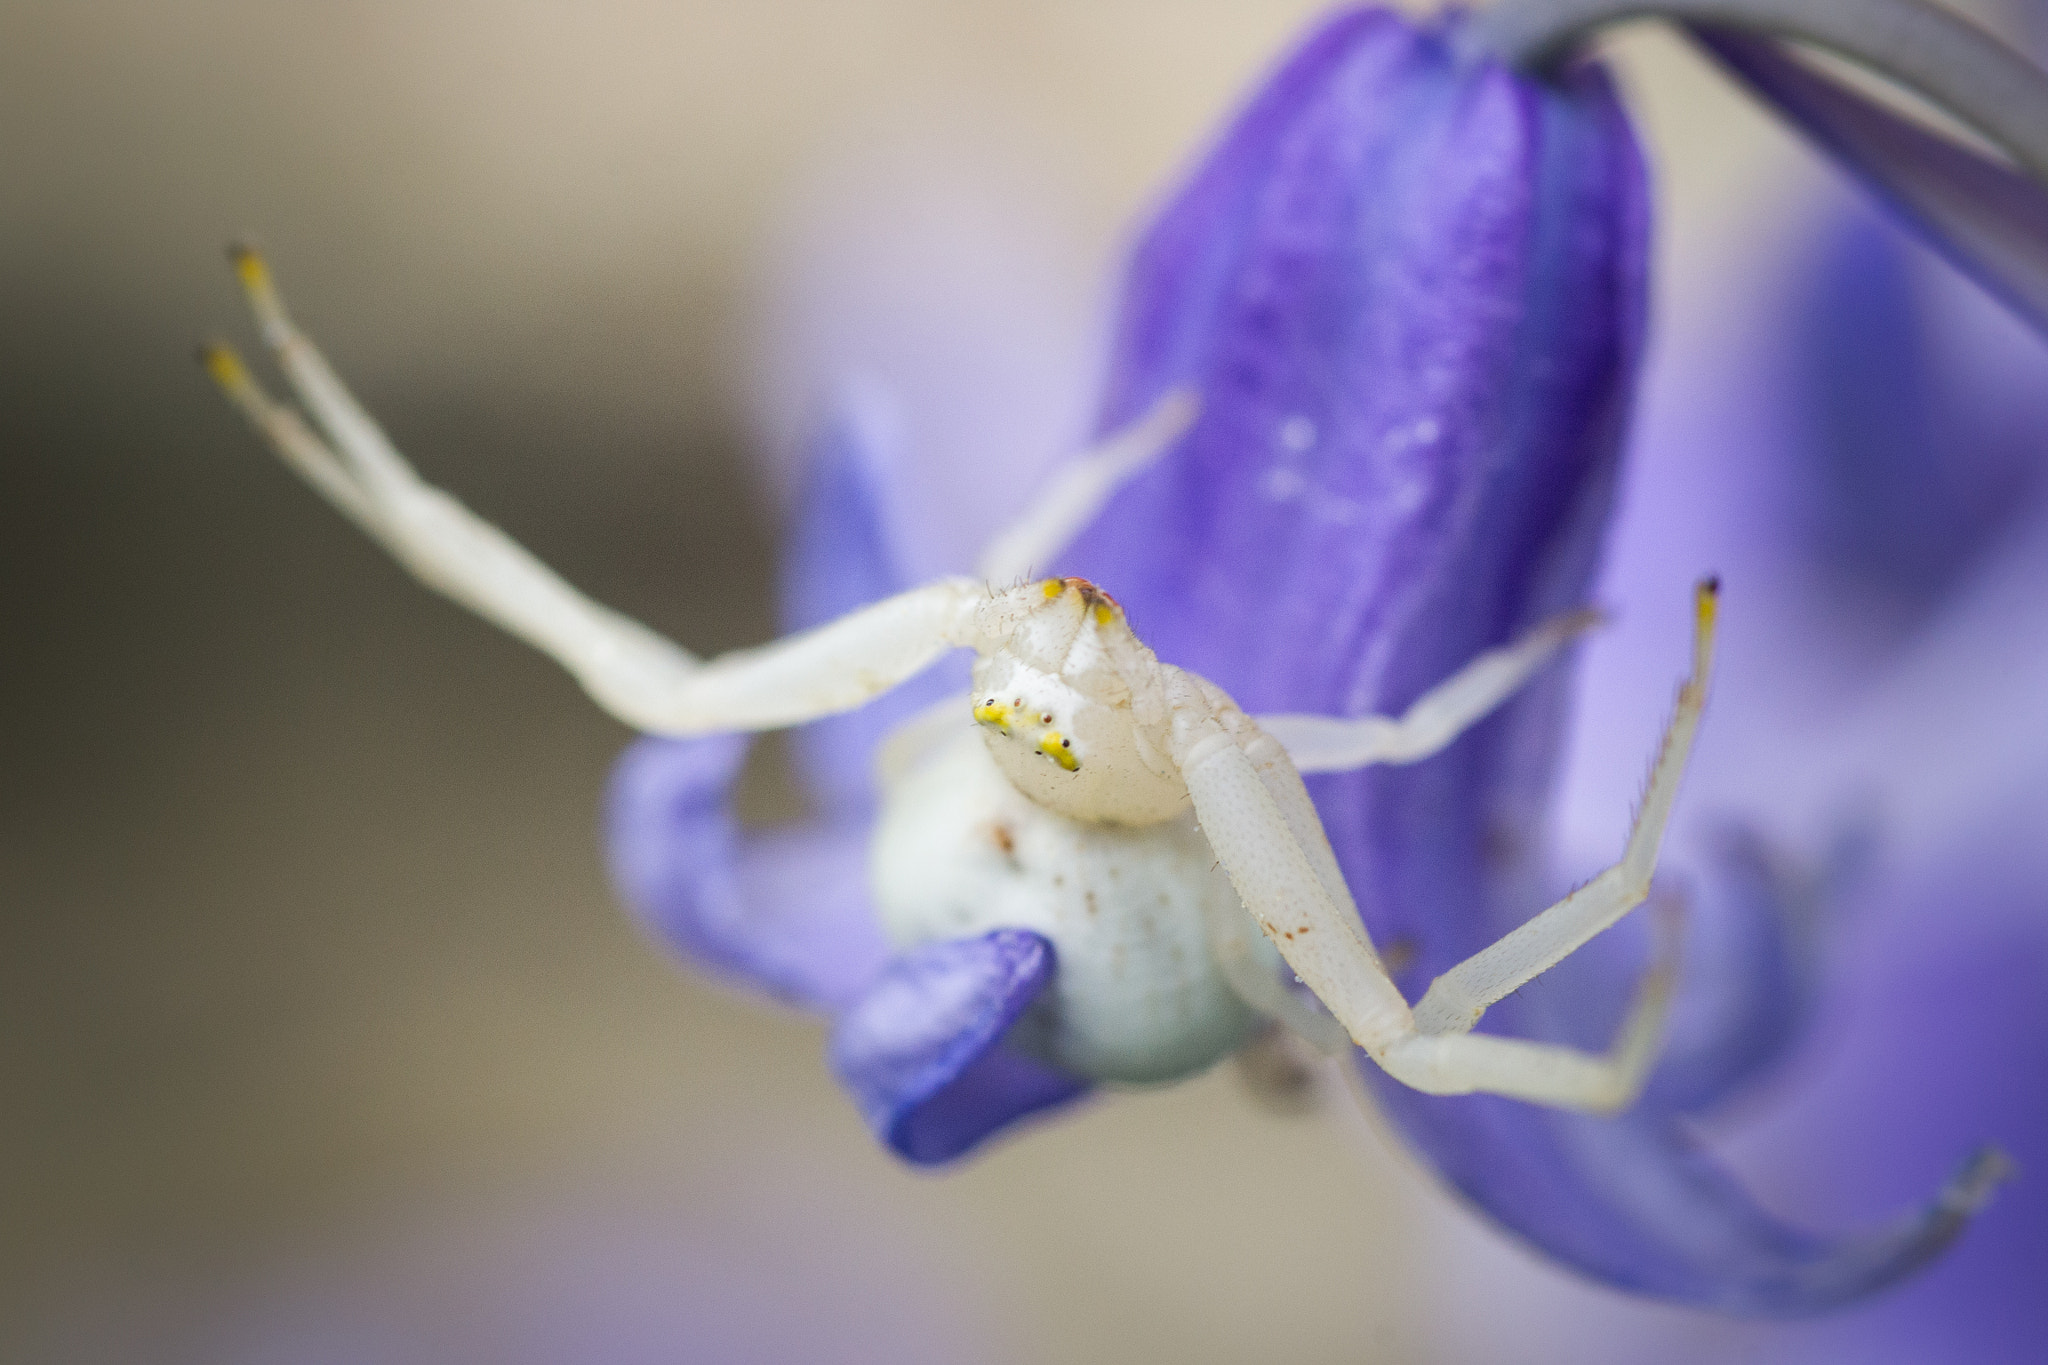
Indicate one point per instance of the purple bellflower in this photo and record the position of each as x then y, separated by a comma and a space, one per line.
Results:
1409, 287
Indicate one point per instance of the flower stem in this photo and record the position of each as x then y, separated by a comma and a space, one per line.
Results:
1928, 50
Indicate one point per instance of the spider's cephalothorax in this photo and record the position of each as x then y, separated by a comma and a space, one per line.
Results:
1067, 816
1074, 706
1140, 995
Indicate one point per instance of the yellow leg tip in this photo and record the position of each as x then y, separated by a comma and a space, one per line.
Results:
226, 367
249, 265
1706, 609
254, 273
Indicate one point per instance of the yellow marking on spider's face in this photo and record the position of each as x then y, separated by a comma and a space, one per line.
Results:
992, 714
1060, 751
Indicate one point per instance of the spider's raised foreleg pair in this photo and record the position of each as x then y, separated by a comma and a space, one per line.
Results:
645, 680
1257, 816
1161, 730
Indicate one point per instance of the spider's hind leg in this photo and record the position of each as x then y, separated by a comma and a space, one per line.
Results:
1252, 808
1458, 1062
1455, 1000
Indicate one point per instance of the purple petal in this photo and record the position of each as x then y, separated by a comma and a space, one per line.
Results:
784, 913
1943, 1044
1411, 294
922, 1051
1746, 992
845, 552
1988, 219
1636, 1203
1414, 354
1750, 979
1937, 999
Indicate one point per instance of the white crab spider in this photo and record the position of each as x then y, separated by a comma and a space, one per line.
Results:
1123, 807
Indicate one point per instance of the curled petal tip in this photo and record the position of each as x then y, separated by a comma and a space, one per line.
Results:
1573, 624
1971, 1188
921, 1051
784, 914
1916, 1240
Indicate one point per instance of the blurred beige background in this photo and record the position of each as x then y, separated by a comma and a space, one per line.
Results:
304, 942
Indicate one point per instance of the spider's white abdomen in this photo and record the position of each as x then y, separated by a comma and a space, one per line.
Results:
1137, 996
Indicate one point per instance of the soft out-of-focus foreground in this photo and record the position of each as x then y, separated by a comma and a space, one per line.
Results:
321, 1036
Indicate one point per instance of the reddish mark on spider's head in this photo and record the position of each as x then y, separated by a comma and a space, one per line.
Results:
1103, 606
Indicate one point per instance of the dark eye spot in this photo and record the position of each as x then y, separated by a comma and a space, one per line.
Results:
1047, 718
1066, 744
1016, 701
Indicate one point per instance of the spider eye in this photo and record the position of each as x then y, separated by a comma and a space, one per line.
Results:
1047, 718
1066, 744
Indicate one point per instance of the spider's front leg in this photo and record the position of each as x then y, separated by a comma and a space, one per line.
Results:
643, 679
1288, 745
1257, 817
1322, 939
1078, 491
1329, 744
